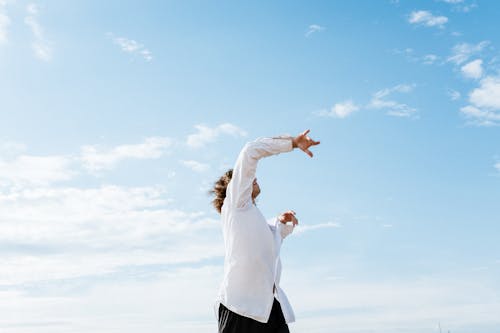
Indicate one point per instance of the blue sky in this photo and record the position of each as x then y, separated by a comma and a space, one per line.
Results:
117, 117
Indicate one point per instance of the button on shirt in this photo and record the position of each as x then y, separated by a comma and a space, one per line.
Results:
252, 266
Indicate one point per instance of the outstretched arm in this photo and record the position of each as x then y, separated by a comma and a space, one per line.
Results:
239, 190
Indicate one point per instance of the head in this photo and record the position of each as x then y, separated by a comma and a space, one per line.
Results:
220, 186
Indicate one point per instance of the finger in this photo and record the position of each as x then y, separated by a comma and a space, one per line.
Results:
308, 152
305, 132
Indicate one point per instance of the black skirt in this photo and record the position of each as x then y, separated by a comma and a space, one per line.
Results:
230, 322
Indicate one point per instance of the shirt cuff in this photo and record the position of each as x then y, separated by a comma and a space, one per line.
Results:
287, 140
284, 229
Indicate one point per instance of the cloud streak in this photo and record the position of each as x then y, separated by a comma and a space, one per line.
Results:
463, 51
195, 165
206, 135
40, 45
313, 28
95, 158
4, 23
380, 100
35, 170
340, 110
132, 47
423, 17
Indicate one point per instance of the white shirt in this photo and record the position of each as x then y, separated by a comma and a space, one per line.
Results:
252, 265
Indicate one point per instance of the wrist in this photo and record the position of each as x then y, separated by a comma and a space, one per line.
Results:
294, 143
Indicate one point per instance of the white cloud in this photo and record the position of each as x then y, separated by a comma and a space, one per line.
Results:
304, 228
340, 110
4, 23
429, 59
426, 18
473, 69
35, 170
195, 165
60, 233
487, 95
453, 94
41, 46
497, 166
461, 6
131, 46
466, 8
314, 28
380, 101
207, 134
480, 117
139, 301
463, 51
484, 107
95, 158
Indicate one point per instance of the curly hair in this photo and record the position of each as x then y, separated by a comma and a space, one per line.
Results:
219, 189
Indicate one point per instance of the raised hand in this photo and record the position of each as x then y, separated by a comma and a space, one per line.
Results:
288, 216
303, 141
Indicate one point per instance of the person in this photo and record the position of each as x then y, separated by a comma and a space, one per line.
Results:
250, 299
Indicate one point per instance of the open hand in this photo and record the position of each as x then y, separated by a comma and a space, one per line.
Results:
288, 217
303, 142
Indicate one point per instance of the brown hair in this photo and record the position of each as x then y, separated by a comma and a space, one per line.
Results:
219, 189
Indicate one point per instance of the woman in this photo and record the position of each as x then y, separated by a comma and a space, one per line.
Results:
250, 299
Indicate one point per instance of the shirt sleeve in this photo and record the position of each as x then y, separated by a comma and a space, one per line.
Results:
283, 229
239, 189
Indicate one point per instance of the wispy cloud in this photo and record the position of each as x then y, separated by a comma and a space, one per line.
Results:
95, 158
339, 110
380, 100
35, 170
426, 59
4, 22
463, 51
313, 28
131, 46
41, 46
205, 134
461, 5
429, 59
304, 228
195, 165
453, 94
426, 18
